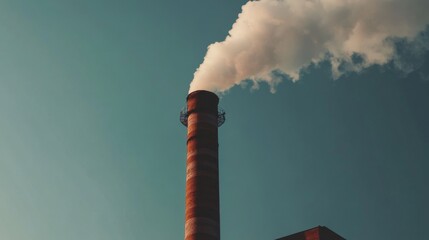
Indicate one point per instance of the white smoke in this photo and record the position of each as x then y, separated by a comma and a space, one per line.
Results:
289, 35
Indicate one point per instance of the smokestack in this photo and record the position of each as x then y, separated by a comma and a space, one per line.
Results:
202, 117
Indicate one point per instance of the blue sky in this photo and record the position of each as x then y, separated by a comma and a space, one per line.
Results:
91, 146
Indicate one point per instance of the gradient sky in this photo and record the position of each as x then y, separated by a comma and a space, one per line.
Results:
91, 146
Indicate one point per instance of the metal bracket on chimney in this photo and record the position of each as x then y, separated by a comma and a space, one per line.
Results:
184, 116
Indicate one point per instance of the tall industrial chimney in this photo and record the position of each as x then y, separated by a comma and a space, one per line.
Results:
202, 117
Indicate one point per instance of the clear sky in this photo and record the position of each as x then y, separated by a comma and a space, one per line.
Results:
91, 146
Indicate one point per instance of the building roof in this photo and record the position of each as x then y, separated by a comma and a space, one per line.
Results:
316, 233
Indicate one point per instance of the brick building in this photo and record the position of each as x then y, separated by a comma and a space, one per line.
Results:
317, 233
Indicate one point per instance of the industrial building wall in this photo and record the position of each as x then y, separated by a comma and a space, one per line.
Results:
317, 233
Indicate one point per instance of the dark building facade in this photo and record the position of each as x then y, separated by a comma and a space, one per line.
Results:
317, 233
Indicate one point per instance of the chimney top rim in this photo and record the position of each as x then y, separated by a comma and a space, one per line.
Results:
201, 92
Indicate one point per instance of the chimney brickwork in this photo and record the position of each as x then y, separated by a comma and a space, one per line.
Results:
202, 218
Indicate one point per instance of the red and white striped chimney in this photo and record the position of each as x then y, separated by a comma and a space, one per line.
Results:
202, 117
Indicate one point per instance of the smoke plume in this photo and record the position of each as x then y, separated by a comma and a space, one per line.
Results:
289, 35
